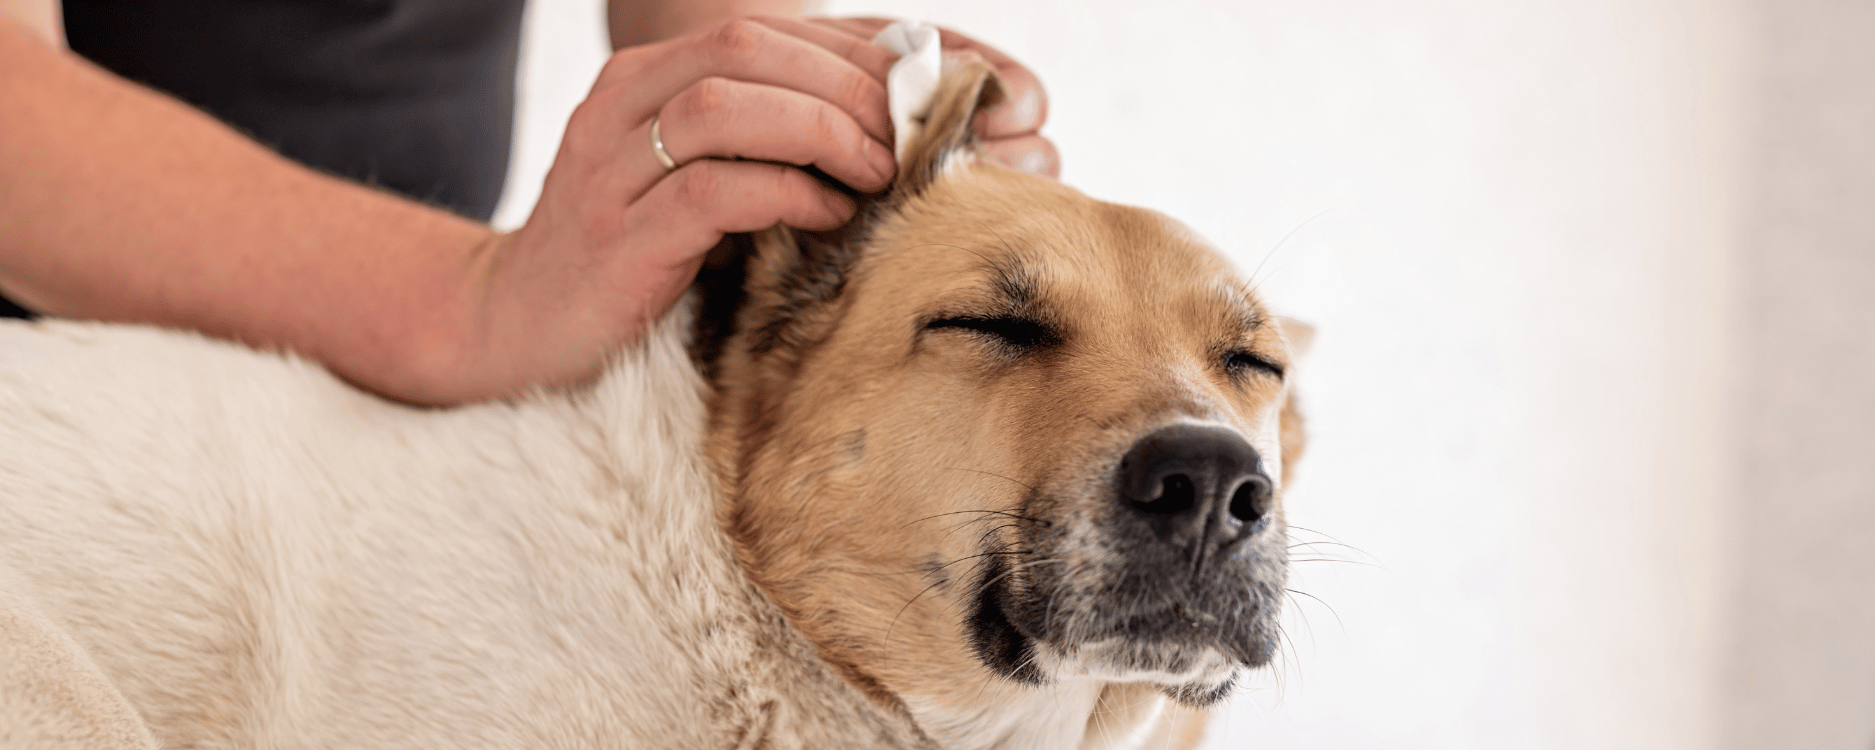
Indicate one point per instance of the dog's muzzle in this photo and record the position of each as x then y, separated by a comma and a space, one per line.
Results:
1173, 571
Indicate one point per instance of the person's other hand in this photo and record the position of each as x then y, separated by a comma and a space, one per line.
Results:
1010, 130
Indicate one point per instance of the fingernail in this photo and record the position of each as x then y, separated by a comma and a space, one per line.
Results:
1034, 162
1022, 116
840, 205
880, 159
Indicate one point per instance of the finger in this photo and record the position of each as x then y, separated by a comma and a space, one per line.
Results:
746, 51
703, 200
719, 117
875, 60
1027, 153
1024, 109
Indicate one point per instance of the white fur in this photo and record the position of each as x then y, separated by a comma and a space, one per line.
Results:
255, 555
1052, 719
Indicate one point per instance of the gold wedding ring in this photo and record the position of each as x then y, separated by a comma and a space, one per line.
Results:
657, 146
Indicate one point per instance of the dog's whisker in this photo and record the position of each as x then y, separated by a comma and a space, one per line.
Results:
936, 570
1254, 282
1015, 568
977, 556
1308, 627
1333, 543
1011, 570
1330, 537
989, 515
1336, 560
1030, 487
1295, 545
981, 512
907, 248
1280, 670
988, 534
998, 236
1331, 610
928, 589
901, 610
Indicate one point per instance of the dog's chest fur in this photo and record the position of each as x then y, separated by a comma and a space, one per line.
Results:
547, 574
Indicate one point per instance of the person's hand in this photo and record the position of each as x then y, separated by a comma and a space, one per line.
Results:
1010, 130
617, 237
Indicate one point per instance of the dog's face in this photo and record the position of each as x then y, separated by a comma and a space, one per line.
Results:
1009, 432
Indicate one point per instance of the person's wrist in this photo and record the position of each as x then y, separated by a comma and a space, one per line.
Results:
438, 353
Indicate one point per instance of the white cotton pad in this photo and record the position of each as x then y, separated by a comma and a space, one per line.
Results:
913, 79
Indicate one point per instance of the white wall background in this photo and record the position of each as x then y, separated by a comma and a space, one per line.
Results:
1802, 666
1542, 241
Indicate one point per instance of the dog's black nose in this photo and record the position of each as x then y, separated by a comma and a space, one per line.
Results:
1197, 487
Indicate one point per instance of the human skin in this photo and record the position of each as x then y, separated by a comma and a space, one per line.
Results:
123, 204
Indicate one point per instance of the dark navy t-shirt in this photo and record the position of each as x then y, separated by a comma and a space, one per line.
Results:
416, 96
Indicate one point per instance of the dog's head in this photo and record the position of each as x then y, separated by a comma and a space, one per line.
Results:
996, 435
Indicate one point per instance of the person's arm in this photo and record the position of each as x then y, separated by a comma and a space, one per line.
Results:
45, 19
124, 204
635, 22
118, 203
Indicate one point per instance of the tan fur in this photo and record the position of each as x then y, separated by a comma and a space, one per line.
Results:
205, 546
861, 451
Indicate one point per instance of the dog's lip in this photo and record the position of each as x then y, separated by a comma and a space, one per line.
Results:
1180, 624
1006, 642
999, 640
1234, 629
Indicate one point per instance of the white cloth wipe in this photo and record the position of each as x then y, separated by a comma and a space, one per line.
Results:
913, 79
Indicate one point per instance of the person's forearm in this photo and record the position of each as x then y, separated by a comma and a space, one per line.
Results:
42, 18
634, 22
120, 204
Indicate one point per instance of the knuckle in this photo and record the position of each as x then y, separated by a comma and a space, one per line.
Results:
794, 186
735, 40
829, 126
704, 100
857, 91
698, 184
786, 180
622, 66
584, 126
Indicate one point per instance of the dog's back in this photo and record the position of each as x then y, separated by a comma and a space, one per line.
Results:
256, 555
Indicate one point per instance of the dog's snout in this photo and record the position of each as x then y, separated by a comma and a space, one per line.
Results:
1197, 487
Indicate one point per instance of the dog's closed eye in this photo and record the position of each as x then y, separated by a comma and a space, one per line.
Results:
1240, 363
1017, 332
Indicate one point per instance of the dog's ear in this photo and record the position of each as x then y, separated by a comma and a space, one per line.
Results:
942, 136
1293, 433
1299, 335
773, 285
771, 288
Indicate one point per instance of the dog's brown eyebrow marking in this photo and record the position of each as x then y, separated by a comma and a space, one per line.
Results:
1243, 319
1011, 314
1241, 310
1016, 283
1013, 290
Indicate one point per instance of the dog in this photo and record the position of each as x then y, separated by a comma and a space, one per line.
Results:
995, 466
